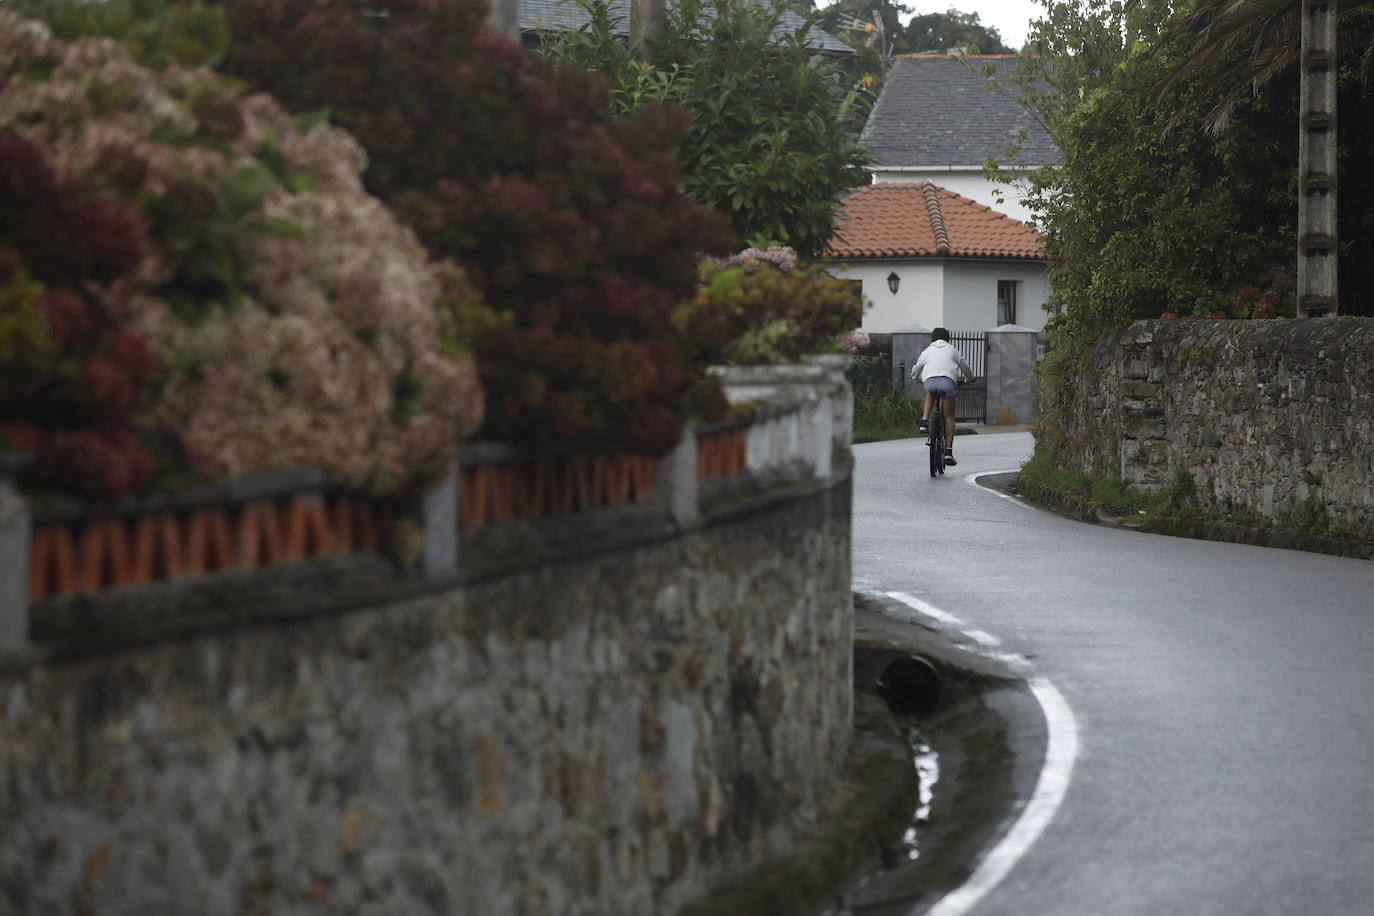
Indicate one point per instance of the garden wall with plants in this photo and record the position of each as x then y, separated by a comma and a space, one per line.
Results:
381, 527
1268, 422
624, 686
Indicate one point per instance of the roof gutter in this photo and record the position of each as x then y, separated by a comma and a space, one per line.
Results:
925, 168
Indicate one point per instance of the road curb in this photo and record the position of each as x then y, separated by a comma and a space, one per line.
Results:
1085, 509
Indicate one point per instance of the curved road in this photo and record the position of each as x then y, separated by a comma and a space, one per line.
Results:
1223, 695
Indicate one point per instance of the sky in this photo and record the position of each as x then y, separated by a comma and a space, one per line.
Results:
1011, 18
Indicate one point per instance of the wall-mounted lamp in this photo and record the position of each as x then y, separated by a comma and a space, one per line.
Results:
893, 281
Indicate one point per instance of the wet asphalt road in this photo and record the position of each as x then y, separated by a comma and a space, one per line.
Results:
1223, 694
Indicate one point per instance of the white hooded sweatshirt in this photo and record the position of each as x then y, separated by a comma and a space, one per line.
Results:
940, 358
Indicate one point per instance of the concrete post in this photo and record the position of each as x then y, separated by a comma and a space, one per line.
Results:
14, 567
836, 388
1011, 357
816, 420
439, 523
675, 479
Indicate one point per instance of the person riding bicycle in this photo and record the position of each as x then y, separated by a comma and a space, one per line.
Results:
939, 367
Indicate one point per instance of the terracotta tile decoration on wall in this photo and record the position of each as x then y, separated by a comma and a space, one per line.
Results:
164, 545
722, 454
495, 492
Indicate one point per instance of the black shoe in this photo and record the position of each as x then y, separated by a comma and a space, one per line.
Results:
925, 426
949, 458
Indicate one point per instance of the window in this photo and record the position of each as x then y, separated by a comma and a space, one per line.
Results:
1006, 301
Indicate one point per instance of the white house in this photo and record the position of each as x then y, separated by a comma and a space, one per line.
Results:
926, 255
940, 117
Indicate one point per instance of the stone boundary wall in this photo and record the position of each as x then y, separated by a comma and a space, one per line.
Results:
611, 713
1268, 417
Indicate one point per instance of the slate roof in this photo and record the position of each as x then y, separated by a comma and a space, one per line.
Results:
935, 111
911, 219
535, 14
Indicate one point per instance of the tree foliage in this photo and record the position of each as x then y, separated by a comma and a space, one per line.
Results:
940, 32
1139, 220
1238, 46
773, 140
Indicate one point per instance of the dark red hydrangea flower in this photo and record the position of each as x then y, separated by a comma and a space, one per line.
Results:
25, 172
104, 385
23, 436
113, 238
85, 462
654, 430
73, 323
130, 350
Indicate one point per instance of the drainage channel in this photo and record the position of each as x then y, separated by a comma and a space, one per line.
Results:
976, 744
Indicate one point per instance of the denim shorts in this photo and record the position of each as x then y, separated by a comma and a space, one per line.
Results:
940, 384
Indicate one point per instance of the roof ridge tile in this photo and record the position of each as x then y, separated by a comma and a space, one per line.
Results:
937, 219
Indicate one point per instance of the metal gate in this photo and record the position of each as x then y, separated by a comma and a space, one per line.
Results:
971, 402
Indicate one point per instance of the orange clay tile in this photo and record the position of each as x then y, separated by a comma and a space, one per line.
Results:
904, 219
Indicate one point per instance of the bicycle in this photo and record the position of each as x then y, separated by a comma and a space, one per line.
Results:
936, 439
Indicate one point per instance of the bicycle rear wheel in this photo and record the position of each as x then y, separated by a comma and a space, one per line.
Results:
936, 444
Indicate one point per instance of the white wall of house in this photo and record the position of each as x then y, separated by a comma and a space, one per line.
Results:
919, 298
959, 295
968, 181
970, 293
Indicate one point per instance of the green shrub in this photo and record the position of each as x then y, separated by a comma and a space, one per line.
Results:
885, 414
760, 308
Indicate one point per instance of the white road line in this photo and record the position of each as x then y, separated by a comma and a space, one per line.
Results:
1061, 751
973, 479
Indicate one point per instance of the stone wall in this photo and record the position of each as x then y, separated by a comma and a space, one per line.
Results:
1267, 416
614, 735
607, 712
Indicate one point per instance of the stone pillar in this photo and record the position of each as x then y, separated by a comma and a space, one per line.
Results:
1144, 427
675, 479
1011, 356
439, 523
14, 567
907, 344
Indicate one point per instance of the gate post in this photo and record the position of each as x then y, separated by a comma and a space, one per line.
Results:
907, 344
1011, 356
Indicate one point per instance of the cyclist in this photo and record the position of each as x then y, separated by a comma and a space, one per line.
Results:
939, 367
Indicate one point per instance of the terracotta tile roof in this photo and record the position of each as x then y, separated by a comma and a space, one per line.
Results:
936, 110
902, 219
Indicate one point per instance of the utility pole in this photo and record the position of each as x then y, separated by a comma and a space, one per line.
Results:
504, 16
646, 28
1317, 162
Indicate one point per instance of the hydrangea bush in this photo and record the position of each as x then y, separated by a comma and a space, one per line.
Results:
73, 377
569, 221
293, 317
